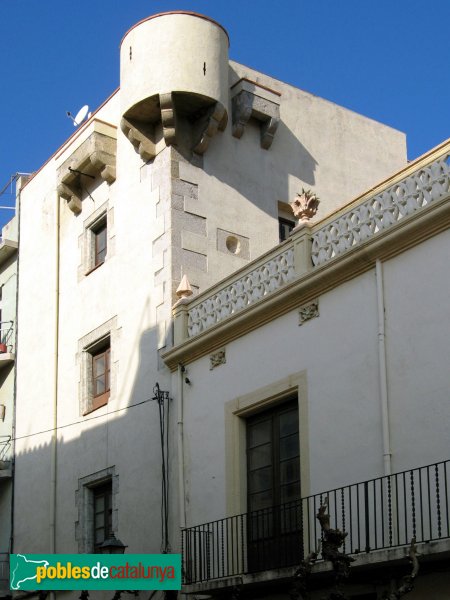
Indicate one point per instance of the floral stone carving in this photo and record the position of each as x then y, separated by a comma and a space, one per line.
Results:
305, 205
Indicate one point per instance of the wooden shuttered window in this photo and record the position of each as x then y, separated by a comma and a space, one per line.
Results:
101, 377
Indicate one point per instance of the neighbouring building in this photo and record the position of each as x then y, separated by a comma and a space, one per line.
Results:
8, 290
134, 421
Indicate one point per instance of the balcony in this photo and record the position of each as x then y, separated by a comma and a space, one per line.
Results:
5, 463
380, 517
7, 355
7, 249
397, 214
92, 154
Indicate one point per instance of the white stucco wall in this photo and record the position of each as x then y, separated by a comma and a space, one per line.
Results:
417, 320
163, 221
120, 289
339, 353
318, 145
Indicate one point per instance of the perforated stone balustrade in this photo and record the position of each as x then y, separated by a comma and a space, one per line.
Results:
246, 290
383, 210
412, 191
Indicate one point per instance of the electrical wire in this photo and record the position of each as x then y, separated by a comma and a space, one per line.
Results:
112, 412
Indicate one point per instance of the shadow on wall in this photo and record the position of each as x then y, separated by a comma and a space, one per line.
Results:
260, 175
118, 443
4, 375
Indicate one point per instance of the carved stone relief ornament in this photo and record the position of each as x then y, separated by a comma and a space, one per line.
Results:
308, 311
305, 206
216, 359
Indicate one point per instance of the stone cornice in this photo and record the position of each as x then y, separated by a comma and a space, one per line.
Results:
403, 235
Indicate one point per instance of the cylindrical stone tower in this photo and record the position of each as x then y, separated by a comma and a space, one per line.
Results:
174, 80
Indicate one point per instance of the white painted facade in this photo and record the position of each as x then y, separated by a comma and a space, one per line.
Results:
353, 323
163, 165
336, 353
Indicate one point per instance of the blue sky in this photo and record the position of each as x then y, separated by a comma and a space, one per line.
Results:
385, 59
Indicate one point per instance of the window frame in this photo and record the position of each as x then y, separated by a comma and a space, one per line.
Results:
273, 530
273, 415
237, 410
84, 500
100, 228
282, 224
94, 256
101, 399
106, 334
103, 490
93, 401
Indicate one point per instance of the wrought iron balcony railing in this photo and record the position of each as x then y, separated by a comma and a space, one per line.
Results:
5, 446
6, 336
377, 514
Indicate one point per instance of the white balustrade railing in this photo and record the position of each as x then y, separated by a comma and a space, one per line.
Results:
429, 183
246, 290
363, 220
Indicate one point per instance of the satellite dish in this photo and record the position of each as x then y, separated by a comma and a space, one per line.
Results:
80, 116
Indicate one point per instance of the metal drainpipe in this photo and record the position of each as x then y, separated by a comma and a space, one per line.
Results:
182, 503
384, 398
53, 475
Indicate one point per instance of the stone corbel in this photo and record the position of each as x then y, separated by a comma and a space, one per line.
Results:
168, 118
141, 136
95, 156
268, 129
105, 164
71, 196
215, 120
241, 112
251, 100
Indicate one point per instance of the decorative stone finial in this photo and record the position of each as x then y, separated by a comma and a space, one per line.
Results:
305, 205
184, 290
